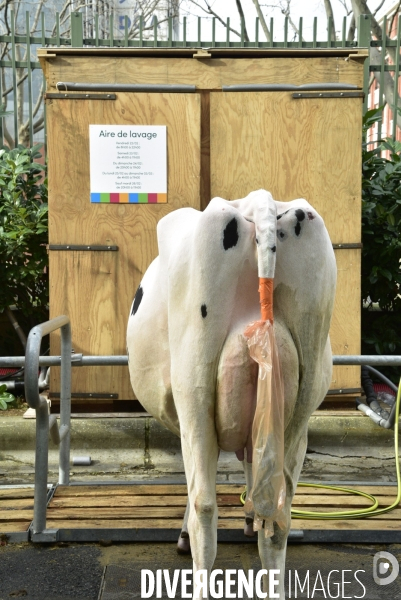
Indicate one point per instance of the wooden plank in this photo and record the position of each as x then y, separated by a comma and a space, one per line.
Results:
17, 493
344, 501
309, 150
109, 279
375, 490
205, 75
120, 490
346, 320
114, 490
137, 512
351, 524
17, 504
113, 513
112, 502
16, 515
14, 526
137, 490
132, 524
126, 501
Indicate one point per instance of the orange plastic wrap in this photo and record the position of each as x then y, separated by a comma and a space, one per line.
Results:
267, 496
266, 297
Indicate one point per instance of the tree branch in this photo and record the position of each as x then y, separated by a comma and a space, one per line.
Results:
330, 15
209, 11
242, 16
351, 29
262, 20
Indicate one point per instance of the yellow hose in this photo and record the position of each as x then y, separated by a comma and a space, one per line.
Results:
362, 512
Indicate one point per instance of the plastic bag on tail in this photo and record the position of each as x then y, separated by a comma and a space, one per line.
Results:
267, 497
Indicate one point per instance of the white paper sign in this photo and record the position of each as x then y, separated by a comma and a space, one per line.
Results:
128, 163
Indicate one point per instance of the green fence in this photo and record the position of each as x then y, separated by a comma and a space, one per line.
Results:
22, 84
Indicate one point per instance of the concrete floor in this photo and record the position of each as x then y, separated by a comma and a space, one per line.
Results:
341, 448
63, 571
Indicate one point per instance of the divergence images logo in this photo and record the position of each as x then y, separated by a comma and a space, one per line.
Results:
382, 561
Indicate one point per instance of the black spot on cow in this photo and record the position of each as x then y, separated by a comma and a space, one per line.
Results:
273, 249
281, 234
203, 310
300, 215
311, 216
282, 214
137, 300
230, 235
257, 241
297, 228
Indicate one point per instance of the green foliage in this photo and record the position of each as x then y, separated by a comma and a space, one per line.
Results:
381, 237
23, 229
5, 397
381, 223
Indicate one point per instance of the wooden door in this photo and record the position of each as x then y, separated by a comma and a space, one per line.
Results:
300, 148
95, 288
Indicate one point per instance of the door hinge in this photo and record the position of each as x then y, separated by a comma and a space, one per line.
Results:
347, 246
70, 96
341, 391
78, 247
86, 395
299, 95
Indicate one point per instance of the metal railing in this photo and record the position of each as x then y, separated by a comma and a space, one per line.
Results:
43, 423
22, 85
61, 435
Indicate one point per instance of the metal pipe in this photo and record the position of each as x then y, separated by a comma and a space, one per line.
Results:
65, 404
77, 360
39, 403
376, 361
41, 466
71, 86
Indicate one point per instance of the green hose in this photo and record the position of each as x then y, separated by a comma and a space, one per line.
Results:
362, 512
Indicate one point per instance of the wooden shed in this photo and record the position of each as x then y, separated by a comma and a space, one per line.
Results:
287, 120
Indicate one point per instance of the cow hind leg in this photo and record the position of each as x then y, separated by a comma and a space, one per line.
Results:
183, 544
247, 466
200, 454
272, 551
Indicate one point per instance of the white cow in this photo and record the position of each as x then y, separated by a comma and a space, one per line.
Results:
189, 361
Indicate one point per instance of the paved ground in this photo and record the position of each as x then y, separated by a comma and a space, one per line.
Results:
67, 572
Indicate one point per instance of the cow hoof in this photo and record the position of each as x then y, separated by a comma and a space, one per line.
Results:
248, 528
183, 544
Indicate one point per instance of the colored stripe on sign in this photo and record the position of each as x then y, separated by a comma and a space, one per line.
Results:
127, 198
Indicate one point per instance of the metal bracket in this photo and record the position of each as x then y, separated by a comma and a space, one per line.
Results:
86, 395
70, 96
81, 247
289, 87
299, 95
346, 246
345, 391
202, 53
46, 536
